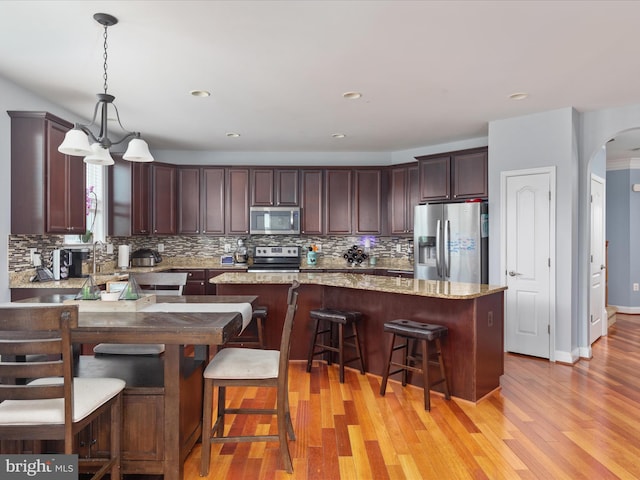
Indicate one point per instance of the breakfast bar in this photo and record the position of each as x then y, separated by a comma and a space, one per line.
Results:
474, 314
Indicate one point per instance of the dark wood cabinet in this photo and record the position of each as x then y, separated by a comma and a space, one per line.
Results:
274, 187
164, 199
368, 195
454, 176
129, 198
311, 186
404, 195
338, 201
47, 187
195, 281
200, 200
237, 201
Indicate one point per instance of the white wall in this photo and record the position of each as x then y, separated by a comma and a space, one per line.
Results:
542, 140
13, 97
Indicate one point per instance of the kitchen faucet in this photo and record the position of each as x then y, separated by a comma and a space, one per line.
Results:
94, 253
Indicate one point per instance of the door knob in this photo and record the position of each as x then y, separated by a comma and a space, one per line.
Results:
513, 274
602, 267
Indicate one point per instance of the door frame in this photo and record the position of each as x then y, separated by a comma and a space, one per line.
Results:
605, 324
551, 172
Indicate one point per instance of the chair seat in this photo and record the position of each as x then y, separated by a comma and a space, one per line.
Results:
88, 395
243, 364
332, 315
409, 328
129, 348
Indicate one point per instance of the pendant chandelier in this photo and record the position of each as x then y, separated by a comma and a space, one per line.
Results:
76, 141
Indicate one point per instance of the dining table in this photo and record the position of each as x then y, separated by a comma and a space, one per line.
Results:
163, 397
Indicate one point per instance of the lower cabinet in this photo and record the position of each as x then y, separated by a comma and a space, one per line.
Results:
195, 281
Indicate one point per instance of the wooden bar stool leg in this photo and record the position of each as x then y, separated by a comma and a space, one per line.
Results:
405, 360
447, 395
385, 374
312, 346
341, 350
260, 327
358, 349
425, 375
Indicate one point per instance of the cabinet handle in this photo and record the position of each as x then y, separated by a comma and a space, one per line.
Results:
190, 274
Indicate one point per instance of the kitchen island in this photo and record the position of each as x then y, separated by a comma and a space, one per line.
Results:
474, 314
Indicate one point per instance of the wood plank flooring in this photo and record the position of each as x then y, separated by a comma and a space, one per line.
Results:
549, 421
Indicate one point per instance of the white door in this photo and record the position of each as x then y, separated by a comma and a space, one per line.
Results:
528, 263
597, 313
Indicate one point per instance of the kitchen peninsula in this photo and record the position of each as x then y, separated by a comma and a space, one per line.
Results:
474, 314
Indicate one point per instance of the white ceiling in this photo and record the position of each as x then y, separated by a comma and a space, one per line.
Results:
430, 72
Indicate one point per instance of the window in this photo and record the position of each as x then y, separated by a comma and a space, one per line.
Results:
95, 205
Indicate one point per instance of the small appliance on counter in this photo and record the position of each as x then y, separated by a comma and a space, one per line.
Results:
75, 266
145, 257
240, 256
61, 261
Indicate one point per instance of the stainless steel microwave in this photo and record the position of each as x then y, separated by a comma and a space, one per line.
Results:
274, 220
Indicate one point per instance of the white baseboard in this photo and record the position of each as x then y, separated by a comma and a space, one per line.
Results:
567, 357
628, 310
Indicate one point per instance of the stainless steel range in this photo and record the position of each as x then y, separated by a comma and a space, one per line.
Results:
276, 259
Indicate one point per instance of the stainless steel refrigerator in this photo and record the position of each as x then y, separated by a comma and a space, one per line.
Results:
451, 242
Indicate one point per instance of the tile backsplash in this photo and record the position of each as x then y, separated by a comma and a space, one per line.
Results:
206, 246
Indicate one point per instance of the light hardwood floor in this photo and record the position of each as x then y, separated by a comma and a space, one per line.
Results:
549, 421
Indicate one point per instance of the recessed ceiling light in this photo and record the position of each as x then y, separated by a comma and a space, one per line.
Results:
233, 135
200, 93
518, 96
338, 135
352, 95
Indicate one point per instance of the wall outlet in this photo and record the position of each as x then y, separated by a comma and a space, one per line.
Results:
161, 247
399, 248
31, 252
636, 287
318, 247
227, 248
109, 248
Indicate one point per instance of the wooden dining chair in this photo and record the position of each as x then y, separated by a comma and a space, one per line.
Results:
35, 344
249, 367
159, 283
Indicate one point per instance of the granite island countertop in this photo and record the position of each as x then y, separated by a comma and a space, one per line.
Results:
358, 281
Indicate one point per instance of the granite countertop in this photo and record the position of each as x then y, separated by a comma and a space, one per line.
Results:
108, 273
406, 286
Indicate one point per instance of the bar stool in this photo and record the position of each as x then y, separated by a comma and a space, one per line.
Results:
325, 321
259, 316
429, 336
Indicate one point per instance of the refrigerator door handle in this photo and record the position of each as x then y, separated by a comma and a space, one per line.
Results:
447, 266
438, 237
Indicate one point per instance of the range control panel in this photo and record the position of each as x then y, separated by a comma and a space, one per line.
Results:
277, 252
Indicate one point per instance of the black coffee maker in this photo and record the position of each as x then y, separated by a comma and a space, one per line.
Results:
77, 257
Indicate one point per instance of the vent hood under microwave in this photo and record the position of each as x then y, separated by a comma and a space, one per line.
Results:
274, 220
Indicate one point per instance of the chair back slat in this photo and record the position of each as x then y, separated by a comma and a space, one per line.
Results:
32, 367
30, 347
285, 342
161, 283
31, 392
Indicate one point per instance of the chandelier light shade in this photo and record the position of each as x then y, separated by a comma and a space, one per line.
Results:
81, 141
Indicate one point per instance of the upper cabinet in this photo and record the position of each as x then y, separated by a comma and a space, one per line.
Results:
237, 201
338, 200
164, 198
129, 198
201, 200
404, 195
47, 187
454, 176
369, 203
274, 187
311, 189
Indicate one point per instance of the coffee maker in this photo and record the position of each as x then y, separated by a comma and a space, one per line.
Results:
77, 257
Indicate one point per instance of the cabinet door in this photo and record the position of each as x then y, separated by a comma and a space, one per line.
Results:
262, 187
413, 194
398, 201
213, 200
470, 175
368, 201
195, 282
435, 178
338, 200
164, 199
65, 178
311, 202
237, 205
286, 188
188, 200
140, 198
